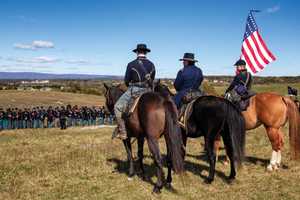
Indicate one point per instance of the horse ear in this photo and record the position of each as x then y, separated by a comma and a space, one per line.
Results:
106, 86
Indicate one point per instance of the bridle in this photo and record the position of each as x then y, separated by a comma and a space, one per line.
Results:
109, 101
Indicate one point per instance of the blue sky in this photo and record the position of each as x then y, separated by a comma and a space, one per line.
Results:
96, 37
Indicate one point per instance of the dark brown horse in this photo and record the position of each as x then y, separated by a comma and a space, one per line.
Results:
210, 117
273, 111
153, 117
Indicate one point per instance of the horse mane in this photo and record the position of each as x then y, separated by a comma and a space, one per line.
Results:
163, 89
120, 86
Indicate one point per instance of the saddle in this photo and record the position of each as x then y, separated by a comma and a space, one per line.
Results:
135, 98
185, 113
240, 101
186, 110
191, 95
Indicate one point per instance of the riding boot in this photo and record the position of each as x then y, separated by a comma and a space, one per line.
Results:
120, 131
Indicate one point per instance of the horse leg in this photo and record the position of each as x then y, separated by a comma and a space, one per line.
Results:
217, 146
169, 165
127, 145
278, 161
154, 149
141, 141
229, 151
184, 140
211, 157
276, 142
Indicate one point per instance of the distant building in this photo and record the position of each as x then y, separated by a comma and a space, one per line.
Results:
46, 89
35, 82
21, 88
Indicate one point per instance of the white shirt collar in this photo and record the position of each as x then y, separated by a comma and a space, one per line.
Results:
141, 55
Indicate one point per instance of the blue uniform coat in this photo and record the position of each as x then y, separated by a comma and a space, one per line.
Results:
135, 72
190, 77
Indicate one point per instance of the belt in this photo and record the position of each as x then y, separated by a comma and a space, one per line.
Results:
139, 84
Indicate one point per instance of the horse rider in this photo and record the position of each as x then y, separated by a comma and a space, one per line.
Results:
189, 77
139, 77
242, 81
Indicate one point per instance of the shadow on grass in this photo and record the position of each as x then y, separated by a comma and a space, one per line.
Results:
197, 169
260, 161
256, 161
122, 167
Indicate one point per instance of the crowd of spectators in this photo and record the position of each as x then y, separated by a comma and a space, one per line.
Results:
51, 117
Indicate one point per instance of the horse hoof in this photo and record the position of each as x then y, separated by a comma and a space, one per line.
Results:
231, 180
168, 186
156, 190
272, 167
130, 178
145, 178
226, 163
208, 181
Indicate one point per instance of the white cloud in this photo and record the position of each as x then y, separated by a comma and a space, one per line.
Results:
36, 44
42, 44
273, 9
45, 59
78, 62
40, 59
24, 46
25, 68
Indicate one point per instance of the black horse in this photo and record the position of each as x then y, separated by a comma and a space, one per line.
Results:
154, 116
211, 117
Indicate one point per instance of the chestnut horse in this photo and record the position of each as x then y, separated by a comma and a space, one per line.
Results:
153, 117
273, 111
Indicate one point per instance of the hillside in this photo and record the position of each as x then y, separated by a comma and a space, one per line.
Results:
13, 98
43, 76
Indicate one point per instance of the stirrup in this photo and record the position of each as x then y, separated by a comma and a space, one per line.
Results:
118, 134
122, 136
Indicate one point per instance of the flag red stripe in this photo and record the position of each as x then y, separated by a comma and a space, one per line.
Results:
265, 46
258, 50
248, 60
257, 63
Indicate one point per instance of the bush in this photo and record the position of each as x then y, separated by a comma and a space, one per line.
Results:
208, 88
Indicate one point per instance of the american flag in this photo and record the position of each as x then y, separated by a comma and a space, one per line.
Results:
254, 50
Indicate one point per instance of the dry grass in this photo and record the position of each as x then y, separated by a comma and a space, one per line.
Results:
279, 88
86, 164
14, 98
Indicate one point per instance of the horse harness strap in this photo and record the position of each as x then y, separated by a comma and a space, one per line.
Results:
247, 80
183, 121
135, 103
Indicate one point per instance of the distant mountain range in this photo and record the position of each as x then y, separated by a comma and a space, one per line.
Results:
48, 76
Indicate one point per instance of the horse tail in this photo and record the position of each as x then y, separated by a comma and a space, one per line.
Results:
173, 137
294, 128
236, 127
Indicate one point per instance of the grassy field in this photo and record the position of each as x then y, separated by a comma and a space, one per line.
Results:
14, 98
84, 163
87, 164
20, 99
275, 87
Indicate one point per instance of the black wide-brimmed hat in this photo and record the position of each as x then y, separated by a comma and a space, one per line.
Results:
240, 62
189, 57
141, 47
